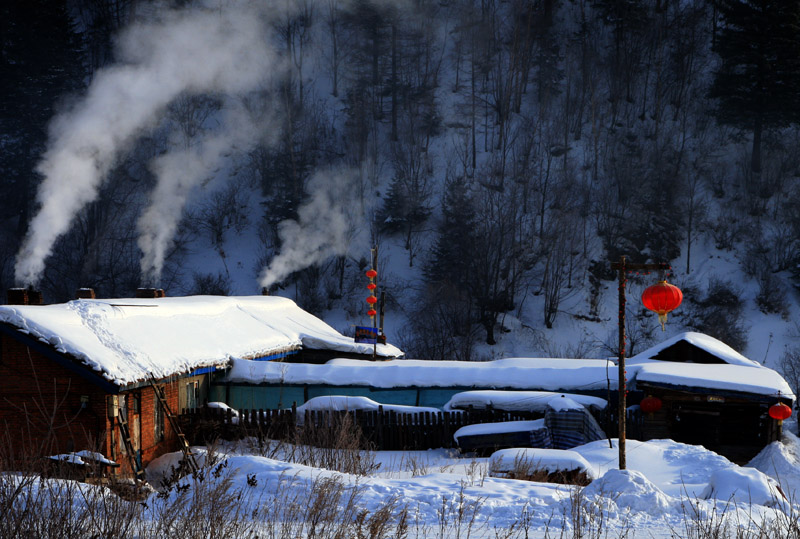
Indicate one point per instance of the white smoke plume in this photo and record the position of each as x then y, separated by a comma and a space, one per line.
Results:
180, 172
191, 51
320, 231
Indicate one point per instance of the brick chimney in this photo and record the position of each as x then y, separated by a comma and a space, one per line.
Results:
150, 293
85, 293
24, 296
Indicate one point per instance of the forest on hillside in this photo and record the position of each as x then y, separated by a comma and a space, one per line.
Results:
507, 148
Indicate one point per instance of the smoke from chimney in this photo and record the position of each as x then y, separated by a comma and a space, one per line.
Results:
187, 52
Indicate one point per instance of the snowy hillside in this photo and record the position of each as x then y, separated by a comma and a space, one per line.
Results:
499, 155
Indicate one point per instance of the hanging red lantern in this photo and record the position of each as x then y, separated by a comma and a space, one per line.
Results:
780, 411
371, 286
372, 273
371, 313
372, 300
662, 298
650, 404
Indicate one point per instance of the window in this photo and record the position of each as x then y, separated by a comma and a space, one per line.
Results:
158, 419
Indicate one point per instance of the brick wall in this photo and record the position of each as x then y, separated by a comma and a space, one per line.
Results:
46, 409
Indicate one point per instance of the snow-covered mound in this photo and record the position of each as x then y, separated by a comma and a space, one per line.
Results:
744, 485
126, 340
549, 460
781, 461
631, 490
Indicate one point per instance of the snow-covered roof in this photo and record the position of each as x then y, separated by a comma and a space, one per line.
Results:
700, 340
126, 340
523, 373
735, 378
351, 403
528, 401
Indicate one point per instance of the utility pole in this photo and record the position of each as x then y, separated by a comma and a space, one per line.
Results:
622, 268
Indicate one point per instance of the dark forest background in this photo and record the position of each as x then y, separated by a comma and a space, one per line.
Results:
508, 149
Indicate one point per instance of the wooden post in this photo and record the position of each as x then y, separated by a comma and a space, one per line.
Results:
375, 267
623, 382
622, 268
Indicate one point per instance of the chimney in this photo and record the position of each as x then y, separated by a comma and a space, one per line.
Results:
85, 293
150, 293
24, 296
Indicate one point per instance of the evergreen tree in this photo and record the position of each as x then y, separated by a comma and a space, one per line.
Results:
451, 254
757, 81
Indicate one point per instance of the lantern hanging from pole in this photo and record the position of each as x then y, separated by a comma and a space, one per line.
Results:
780, 411
662, 298
650, 404
372, 300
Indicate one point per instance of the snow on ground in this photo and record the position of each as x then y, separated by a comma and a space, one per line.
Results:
665, 482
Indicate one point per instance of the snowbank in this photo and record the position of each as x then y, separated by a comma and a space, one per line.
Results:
126, 340
631, 490
744, 485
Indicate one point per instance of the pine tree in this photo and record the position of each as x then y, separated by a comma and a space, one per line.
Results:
757, 81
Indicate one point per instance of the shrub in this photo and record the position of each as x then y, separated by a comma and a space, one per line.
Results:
718, 314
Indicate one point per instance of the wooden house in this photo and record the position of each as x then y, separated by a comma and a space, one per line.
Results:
109, 375
708, 394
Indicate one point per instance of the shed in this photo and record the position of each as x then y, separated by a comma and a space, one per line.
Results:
710, 395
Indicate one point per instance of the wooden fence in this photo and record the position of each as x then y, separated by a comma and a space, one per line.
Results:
380, 429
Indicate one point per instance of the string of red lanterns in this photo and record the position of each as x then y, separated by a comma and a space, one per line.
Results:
372, 300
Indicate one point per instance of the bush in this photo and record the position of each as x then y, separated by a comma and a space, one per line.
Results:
772, 295
719, 313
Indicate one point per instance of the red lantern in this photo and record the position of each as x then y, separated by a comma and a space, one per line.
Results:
371, 313
372, 300
372, 273
780, 411
650, 404
371, 286
662, 298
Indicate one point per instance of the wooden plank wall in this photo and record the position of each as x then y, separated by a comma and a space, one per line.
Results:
380, 429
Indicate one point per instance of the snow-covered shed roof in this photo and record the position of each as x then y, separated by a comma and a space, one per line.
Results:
127, 340
513, 373
728, 378
706, 343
